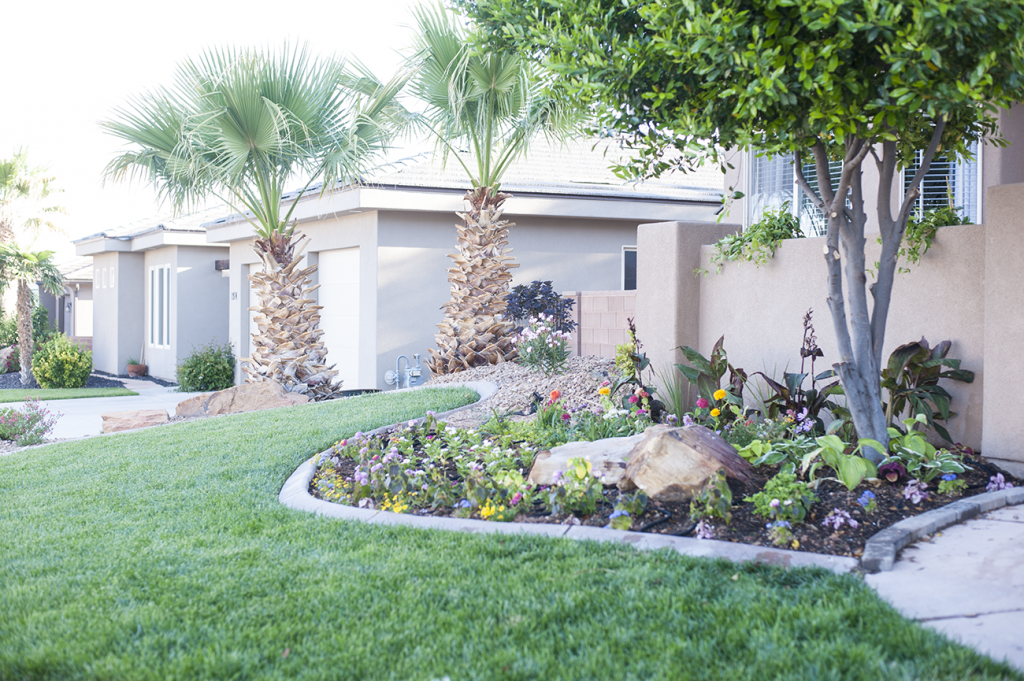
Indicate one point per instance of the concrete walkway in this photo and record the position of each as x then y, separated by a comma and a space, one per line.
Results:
967, 582
82, 418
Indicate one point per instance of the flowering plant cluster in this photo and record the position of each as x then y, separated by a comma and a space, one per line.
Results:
542, 346
784, 498
868, 502
577, 489
781, 533
27, 426
997, 482
837, 518
952, 485
915, 492
714, 499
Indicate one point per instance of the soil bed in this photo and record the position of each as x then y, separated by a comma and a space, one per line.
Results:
12, 381
673, 518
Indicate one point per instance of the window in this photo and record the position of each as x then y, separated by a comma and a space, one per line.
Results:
812, 220
771, 184
111, 277
629, 268
948, 183
160, 306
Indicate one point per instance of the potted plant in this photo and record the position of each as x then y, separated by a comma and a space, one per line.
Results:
135, 368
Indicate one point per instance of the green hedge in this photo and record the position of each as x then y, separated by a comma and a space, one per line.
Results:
210, 367
61, 363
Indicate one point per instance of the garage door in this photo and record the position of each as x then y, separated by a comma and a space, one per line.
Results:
339, 318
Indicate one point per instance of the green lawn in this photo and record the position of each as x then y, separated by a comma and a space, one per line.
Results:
62, 394
164, 554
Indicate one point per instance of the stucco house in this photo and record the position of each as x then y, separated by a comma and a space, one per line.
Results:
158, 292
382, 246
71, 311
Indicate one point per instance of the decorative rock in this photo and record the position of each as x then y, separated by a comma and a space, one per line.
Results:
607, 457
116, 421
240, 398
672, 464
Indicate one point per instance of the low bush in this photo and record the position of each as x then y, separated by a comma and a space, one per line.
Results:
210, 367
61, 363
28, 426
537, 299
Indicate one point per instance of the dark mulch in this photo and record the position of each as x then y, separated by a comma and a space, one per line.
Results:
12, 381
159, 381
673, 518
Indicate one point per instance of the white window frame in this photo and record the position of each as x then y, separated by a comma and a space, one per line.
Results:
980, 188
622, 266
158, 273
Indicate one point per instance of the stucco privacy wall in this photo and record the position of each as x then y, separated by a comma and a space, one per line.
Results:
118, 312
969, 288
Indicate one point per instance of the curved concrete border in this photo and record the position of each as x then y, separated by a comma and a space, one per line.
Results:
295, 494
881, 549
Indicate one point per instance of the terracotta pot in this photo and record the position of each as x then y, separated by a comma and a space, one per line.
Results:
136, 370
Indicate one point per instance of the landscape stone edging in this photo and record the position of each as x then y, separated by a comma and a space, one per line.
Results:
295, 494
881, 549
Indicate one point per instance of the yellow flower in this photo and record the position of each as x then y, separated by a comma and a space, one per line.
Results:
604, 390
795, 544
715, 413
719, 394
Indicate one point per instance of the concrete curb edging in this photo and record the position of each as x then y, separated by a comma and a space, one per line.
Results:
295, 494
881, 549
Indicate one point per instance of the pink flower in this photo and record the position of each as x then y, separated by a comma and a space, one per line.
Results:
565, 417
633, 399
702, 403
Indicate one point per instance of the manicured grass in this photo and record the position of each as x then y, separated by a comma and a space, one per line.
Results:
164, 554
62, 394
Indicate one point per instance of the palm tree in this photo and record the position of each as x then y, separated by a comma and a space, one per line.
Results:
494, 104
26, 195
239, 125
26, 268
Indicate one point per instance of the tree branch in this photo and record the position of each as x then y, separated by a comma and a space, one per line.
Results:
804, 184
913, 190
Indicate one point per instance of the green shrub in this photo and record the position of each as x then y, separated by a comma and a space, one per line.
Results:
61, 363
210, 367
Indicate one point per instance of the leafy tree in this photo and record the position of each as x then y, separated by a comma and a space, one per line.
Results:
26, 268
26, 197
842, 80
240, 125
483, 109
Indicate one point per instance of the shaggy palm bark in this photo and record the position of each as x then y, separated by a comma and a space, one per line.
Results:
25, 331
288, 348
474, 331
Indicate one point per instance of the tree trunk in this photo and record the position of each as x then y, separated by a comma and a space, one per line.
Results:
474, 331
288, 347
25, 331
860, 331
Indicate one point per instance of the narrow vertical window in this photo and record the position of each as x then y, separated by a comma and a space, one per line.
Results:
152, 306
111, 277
629, 268
160, 303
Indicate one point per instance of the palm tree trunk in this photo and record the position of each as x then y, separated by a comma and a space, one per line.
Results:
25, 331
288, 348
474, 331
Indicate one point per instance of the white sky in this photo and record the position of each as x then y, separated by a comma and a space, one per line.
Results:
70, 63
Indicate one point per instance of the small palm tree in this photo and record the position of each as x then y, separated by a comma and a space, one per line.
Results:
26, 268
494, 104
26, 197
239, 125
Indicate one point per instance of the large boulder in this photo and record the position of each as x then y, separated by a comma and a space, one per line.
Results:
116, 421
607, 457
238, 399
672, 464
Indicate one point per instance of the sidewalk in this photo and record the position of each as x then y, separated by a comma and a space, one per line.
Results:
967, 582
81, 418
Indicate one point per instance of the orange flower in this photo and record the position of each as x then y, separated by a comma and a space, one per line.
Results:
555, 395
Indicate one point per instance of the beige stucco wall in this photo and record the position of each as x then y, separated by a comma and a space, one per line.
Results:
760, 312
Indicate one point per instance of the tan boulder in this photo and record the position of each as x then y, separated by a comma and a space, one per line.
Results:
672, 464
115, 421
238, 399
607, 457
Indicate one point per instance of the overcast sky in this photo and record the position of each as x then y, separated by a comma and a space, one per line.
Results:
70, 63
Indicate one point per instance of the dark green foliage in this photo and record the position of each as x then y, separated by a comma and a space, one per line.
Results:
61, 363
210, 367
757, 243
706, 374
911, 381
540, 298
714, 499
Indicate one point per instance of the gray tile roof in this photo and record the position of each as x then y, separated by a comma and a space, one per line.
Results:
192, 222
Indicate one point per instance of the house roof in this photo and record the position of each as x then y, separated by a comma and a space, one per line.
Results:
578, 170
78, 268
192, 223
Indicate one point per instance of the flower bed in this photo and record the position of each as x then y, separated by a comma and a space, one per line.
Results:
435, 469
